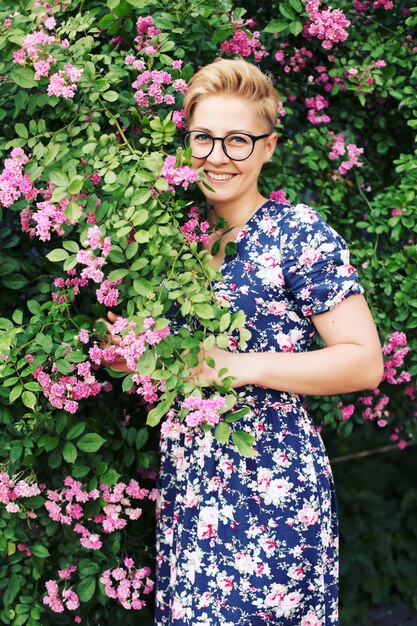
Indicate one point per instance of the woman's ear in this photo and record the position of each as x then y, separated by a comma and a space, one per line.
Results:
270, 146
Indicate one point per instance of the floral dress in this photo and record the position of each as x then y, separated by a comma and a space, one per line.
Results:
253, 541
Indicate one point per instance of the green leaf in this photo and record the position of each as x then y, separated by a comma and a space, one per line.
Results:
63, 366
40, 551
29, 399
147, 363
12, 589
110, 177
87, 567
24, 77
15, 281
204, 311
86, 589
286, 11
296, 5
117, 274
21, 130
110, 477
59, 178
76, 185
244, 442
57, 255
48, 442
155, 415
71, 246
69, 452
91, 442
110, 96
76, 430
142, 437
222, 432
73, 212
224, 321
237, 415
296, 27
45, 341
143, 287
15, 393
275, 26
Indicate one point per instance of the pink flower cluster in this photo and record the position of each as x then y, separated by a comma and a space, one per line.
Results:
58, 600
94, 262
72, 282
347, 411
375, 410
10, 491
147, 388
126, 584
66, 508
362, 7
47, 218
178, 117
279, 196
131, 348
395, 436
150, 84
13, 183
314, 105
395, 359
146, 31
193, 229
35, 51
63, 83
328, 25
244, 42
203, 410
338, 149
294, 63
178, 174
64, 392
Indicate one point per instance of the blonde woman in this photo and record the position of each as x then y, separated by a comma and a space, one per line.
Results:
243, 541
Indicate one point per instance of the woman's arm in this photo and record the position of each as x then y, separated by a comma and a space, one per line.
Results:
350, 361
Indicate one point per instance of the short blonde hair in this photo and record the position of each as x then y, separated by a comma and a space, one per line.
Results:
234, 77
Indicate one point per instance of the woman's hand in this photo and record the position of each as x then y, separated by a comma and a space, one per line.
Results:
233, 362
118, 364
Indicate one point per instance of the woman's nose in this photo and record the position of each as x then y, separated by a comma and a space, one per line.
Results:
218, 155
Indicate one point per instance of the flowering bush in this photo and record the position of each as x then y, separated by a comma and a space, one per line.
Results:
99, 211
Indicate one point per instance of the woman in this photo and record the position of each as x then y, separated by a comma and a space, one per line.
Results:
254, 541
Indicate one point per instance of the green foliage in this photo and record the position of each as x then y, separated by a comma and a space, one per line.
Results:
102, 132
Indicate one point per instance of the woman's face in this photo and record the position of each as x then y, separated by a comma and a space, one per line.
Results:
231, 181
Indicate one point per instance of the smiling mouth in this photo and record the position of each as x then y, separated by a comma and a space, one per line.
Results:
219, 177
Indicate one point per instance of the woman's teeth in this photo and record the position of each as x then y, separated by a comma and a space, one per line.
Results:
219, 176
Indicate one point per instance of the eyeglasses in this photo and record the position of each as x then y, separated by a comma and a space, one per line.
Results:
236, 146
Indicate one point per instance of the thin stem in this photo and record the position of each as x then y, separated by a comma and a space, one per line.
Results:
366, 453
119, 128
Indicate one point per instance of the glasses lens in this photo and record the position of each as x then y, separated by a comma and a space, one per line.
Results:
238, 147
200, 144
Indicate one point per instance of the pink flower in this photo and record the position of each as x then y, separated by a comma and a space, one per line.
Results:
178, 175
279, 196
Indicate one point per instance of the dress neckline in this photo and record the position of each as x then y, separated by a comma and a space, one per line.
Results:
247, 224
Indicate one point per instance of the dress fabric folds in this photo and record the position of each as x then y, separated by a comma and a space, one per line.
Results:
254, 541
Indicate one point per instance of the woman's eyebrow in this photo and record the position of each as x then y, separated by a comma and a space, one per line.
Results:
229, 132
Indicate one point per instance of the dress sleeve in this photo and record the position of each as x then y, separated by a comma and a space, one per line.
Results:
315, 262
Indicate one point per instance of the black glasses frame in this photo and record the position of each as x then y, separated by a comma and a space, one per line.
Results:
254, 139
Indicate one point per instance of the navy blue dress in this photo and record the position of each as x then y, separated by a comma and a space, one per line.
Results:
253, 541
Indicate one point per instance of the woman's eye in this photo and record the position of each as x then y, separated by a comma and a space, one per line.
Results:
203, 137
237, 140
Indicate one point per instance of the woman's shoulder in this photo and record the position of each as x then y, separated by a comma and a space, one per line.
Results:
286, 216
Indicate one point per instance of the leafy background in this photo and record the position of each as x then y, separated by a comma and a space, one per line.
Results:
102, 130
